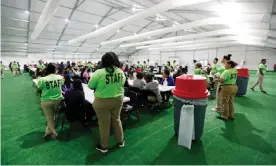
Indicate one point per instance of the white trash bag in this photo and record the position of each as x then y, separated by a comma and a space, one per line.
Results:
186, 126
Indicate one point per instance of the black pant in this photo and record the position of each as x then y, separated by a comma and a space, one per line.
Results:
166, 96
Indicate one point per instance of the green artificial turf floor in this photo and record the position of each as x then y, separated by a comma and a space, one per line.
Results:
250, 139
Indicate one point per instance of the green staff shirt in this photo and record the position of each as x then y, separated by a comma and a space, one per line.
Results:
2, 66
215, 68
221, 69
51, 87
229, 76
198, 71
108, 85
262, 67
41, 66
14, 66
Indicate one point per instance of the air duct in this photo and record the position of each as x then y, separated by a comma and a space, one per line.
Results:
260, 33
45, 17
159, 8
198, 23
208, 40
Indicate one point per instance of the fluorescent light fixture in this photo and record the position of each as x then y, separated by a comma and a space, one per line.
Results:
26, 44
118, 30
18, 29
149, 37
96, 26
66, 20
27, 12
55, 46
45, 17
159, 8
135, 33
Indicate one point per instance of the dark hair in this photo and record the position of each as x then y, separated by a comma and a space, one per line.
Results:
199, 65
88, 70
232, 64
51, 68
148, 76
139, 75
216, 59
109, 60
195, 61
77, 85
263, 60
167, 72
227, 57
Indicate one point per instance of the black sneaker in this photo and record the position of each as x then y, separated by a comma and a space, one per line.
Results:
121, 144
101, 149
252, 89
264, 92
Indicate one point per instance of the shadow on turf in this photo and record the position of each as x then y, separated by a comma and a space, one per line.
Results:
248, 102
242, 132
32, 139
175, 154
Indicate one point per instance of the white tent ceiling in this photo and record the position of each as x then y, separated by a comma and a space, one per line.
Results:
74, 18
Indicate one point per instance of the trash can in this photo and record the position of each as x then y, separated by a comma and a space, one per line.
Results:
190, 93
242, 81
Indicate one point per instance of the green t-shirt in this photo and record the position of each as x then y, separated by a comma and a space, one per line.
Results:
221, 69
229, 76
14, 65
262, 67
41, 67
107, 85
215, 68
198, 71
51, 87
2, 66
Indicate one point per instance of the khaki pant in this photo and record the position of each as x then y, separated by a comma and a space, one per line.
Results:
227, 95
108, 112
259, 81
219, 104
49, 109
15, 72
2, 73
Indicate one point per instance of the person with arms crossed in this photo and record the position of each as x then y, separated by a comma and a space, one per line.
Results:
260, 73
51, 95
108, 83
228, 90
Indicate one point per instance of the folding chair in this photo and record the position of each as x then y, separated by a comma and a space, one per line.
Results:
132, 106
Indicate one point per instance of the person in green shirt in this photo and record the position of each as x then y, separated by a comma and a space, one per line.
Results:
41, 66
260, 73
14, 67
199, 71
221, 69
228, 90
51, 95
2, 67
108, 83
215, 67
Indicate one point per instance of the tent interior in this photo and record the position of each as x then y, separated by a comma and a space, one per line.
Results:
140, 30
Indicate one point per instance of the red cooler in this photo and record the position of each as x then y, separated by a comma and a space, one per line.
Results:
190, 91
242, 81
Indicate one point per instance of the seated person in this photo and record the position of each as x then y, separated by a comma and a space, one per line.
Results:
67, 83
152, 85
167, 81
131, 75
138, 69
75, 100
199, 71
139, 82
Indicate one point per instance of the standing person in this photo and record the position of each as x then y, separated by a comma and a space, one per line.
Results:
10, 67
108, 83
40, 65
221, 69
50, 86
18, 65
260, 73
14, 67
2, 67
215, 67
228, 90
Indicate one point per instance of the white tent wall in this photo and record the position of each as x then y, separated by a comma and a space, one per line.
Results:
251, 55
7, 57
